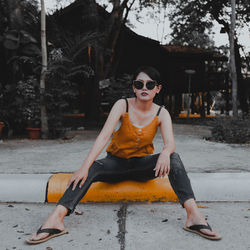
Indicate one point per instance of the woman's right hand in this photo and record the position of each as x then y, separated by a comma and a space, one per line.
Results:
80, 175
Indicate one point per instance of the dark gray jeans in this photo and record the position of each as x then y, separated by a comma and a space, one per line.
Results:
114, 169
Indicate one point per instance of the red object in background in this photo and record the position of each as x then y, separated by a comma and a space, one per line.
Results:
34, 133
1, 127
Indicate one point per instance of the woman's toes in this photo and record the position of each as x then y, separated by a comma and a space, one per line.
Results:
38, 236
32, 236
208, 232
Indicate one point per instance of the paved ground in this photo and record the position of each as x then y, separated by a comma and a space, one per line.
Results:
47, 156
125, 226
133, 226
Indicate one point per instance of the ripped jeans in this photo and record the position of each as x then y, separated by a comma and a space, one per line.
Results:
114, 169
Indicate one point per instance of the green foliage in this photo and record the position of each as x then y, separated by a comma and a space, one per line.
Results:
20, 96
115, 89
62, 84
18, 20
5, 92
192, 21
190, 24
19, 49
231, 130
28, 102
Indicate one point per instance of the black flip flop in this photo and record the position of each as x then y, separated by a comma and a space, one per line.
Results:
52, 233
197, 229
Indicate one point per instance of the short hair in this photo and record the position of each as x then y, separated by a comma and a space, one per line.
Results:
150, 71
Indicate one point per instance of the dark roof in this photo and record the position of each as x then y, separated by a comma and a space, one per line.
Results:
184, 49
205, 53
133, 50
76, 7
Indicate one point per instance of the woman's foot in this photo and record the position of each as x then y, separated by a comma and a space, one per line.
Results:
194, 218
200, 220
55, 221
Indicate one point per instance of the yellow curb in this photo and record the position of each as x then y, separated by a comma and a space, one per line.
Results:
152, 190
184, 115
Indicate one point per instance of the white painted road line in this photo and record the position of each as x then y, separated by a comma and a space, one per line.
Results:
23, 187
221, 186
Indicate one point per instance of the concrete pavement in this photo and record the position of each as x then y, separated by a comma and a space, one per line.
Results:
132, 227
218, 172
52, 156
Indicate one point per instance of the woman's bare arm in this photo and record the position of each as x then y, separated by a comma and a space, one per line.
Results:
167, 132
163, 163
114, 116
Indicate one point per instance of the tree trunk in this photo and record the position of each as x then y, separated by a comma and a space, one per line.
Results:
241, 88
15, 23
104, 62
116, 21
104, 54
92, 99
44, 118
234, 55
233, 73
227, 95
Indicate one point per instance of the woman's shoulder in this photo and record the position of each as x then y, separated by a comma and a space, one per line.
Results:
120, 104
128, 101
160, 107
163, 112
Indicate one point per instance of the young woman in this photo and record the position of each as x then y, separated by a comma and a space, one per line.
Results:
130, 156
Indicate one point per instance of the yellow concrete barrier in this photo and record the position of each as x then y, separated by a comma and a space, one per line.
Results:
184, 115
152, 190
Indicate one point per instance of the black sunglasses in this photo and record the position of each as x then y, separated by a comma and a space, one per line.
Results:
149, 85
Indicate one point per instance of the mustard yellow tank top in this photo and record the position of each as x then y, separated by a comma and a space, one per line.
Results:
132, 141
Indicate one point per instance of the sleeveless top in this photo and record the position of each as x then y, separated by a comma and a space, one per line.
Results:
132, 141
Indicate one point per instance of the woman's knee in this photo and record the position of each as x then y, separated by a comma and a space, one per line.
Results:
175, 162
174, 155
94, 170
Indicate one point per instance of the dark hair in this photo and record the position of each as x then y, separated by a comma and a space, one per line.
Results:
150, 71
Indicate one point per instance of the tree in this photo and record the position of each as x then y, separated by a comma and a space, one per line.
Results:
189, 25
18, 49
44, 118
232, 61
65, 81
196, 15
103, 51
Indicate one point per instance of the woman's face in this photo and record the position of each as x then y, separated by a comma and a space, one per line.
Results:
144, 93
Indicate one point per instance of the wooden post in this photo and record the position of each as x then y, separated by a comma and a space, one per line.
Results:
208, 98
203, 112
173, 105
227, 95
192, 102
182, 102
170, 105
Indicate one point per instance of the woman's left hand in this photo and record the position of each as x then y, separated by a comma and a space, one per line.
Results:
163, 165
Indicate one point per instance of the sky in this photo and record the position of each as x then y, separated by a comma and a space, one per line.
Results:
161, 31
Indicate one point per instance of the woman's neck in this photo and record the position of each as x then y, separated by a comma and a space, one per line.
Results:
143, 106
